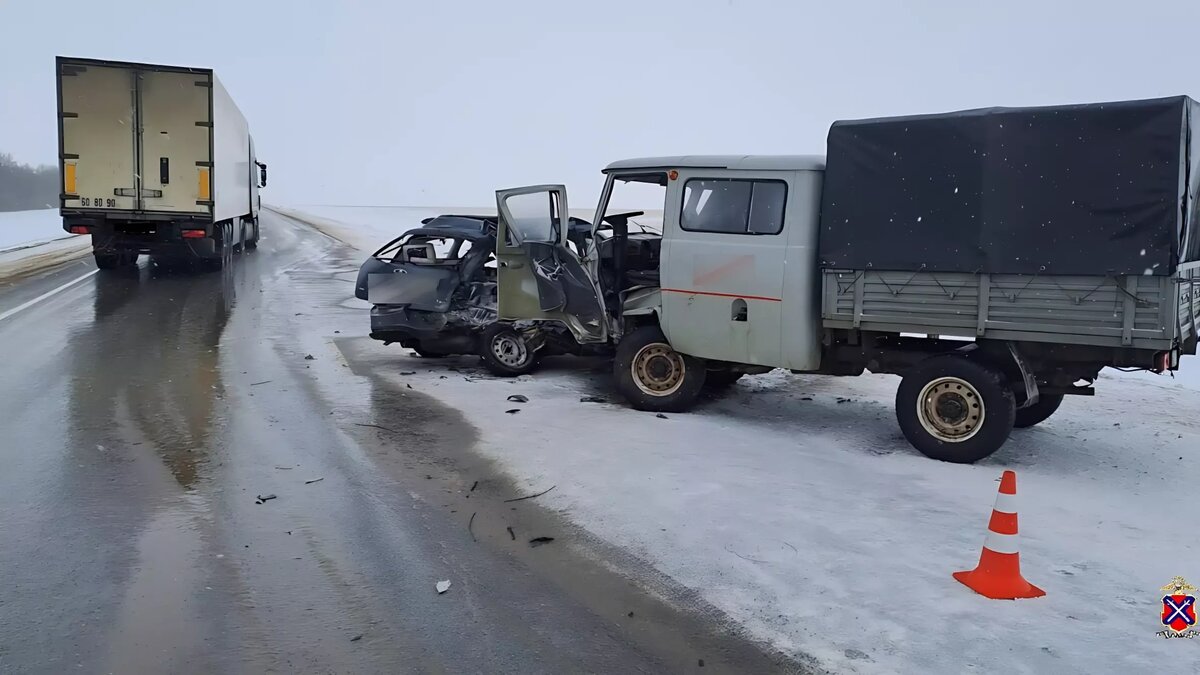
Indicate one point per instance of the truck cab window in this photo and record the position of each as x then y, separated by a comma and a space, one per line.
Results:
726, 206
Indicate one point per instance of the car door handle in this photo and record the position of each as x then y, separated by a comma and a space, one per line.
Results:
515, 266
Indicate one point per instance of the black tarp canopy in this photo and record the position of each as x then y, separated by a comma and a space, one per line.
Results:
1096, 189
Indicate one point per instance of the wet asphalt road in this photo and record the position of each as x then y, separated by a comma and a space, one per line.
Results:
143, 413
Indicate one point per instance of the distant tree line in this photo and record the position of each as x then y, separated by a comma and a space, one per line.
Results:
24, 187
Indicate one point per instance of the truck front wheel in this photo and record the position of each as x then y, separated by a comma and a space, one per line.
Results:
655, 377
955, 410
1039, 412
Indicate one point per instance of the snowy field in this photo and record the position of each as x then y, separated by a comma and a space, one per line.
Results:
794, 504
32, 240
24, 228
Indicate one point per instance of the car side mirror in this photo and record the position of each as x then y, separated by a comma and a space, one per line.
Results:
262, 174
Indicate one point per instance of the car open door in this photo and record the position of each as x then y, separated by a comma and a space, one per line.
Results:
539, 276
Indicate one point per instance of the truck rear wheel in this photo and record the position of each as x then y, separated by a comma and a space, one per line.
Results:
655, 377
252, 242
114, 261
955, 410
223, 248
1039, 412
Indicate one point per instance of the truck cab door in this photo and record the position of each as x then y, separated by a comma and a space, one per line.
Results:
539, 277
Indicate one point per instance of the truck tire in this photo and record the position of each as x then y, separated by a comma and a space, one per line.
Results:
1039, 412
505, 352
652, 376
224, 248
252, 243
114, 261
955, 410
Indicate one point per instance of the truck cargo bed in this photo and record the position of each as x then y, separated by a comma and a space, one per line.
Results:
1139, 312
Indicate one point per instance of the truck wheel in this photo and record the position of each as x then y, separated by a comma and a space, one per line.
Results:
505, 352
955, 410
224, 248
252, 243
1038, 412
655, 377
114, 261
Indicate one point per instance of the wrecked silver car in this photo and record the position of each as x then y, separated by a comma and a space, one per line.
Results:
433, 290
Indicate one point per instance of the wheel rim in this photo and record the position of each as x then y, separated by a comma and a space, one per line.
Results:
658, 370
509, 349
950, 409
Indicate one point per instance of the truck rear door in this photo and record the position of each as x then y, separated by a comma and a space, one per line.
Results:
176, 126
99, 139
135, 138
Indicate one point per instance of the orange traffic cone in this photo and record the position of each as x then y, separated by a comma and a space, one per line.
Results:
998, 575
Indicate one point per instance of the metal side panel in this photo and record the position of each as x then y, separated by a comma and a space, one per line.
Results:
1137, 311
97, 129
231, 156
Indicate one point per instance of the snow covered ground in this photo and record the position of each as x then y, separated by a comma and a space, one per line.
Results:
23, 228
31, 240
794, 504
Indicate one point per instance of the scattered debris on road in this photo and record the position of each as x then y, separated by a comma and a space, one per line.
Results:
408, 372
521, 499
255, 384
356, 638
310, 357
473, 486
662, 416
748, 559
442, 586
593, 399
471, 526
374, 426
284, 468
518, 398
315, 480
805, 398
513, 411
540, 541
511, 534
408, 385
262, 499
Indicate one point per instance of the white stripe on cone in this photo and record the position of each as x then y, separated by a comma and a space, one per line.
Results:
1001, 543
1005, 503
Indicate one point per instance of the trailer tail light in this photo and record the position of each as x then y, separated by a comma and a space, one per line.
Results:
202, 190
192, 234
69, 180
79, 229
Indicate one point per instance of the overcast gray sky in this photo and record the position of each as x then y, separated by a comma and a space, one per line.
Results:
440, 103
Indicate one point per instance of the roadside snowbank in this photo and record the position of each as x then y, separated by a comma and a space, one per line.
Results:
32, 240
794, 504
26, 228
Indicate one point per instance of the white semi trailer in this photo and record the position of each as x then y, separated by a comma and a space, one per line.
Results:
157, 160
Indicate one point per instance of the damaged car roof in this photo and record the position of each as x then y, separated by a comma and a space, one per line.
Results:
471, 228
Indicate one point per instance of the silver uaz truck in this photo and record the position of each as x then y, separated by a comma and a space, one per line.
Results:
997, 260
